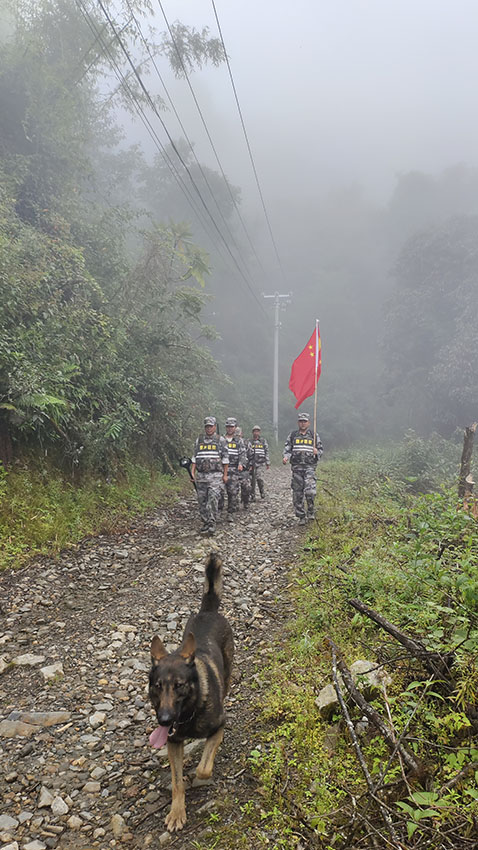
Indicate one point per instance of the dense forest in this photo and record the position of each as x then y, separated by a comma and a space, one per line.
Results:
124, 317
102, 321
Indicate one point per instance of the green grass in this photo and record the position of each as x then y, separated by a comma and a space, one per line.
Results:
41, 511
413, 558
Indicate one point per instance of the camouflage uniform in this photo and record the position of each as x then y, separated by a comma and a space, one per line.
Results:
299, 449
210, 456
244, 476
258, 454
237, 457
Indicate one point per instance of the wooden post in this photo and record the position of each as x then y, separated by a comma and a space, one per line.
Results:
470, 502
466, 459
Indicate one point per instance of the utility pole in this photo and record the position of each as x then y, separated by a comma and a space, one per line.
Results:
280, 301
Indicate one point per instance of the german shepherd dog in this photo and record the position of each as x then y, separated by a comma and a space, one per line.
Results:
187, 688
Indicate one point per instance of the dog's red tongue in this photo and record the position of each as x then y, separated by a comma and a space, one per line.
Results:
158, 738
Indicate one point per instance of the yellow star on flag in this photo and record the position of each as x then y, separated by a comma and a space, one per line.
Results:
304, 374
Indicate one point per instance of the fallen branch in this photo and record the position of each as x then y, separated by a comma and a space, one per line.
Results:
396, 740
436, 664
383, 811
406, 727
374, 716
458, 777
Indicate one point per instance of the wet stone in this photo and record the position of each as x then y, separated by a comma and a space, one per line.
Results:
41, 718
28, 660
16, 729
8, 823
45, 799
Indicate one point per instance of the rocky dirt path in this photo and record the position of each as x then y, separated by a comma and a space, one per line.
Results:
77, 771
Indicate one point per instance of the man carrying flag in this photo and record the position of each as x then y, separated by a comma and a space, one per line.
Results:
303, 449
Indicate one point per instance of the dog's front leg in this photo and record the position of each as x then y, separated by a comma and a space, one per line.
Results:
176, 818
205, 766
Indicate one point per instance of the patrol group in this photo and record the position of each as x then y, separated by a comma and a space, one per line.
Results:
233, 466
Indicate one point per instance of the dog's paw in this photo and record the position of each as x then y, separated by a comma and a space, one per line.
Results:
176, 818
203, 774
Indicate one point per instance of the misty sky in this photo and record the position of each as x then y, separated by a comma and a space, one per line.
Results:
335, 91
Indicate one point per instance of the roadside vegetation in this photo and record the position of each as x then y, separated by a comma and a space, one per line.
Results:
103, 343
410, 556
105, 370
42, 510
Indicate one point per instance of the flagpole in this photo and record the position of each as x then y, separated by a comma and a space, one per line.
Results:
316, 370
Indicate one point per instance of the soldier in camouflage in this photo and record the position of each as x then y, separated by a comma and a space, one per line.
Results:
244, 477
209, 470
258, 454
303, 456
237, 461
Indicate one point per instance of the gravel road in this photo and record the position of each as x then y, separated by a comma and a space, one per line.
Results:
77, 770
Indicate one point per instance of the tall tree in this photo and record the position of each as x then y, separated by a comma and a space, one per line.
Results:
431, 333
101, 347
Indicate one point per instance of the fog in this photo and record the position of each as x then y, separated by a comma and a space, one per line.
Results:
337, 92
362, 121
361, 116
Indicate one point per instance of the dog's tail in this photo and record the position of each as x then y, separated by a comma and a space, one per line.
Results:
213, 583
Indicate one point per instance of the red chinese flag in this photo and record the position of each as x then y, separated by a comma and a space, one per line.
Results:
306, 369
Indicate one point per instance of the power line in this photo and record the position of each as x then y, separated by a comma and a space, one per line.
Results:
175, 149
204, 175
95, 60
186, 76
122, 79
247, 142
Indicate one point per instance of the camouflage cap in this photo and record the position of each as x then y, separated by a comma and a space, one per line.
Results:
231, 420
210, 420
256, 427
303, 417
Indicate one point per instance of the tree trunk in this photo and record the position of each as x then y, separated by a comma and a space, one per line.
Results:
466, 459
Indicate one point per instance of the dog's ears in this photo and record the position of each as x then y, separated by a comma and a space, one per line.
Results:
157, 650
188, 648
